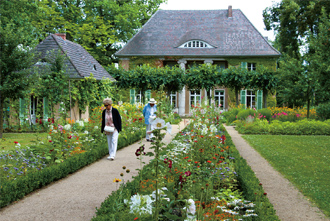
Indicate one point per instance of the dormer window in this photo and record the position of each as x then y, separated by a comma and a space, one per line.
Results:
94, 67
196, 44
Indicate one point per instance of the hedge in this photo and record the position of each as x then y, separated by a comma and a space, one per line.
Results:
12, 190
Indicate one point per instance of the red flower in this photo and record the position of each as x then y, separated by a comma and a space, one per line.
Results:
209, 161
196, 161
265, 194
50, 141
170, 163
136, 218
15, 142
70, 137
223, 138
186, 158
188, 173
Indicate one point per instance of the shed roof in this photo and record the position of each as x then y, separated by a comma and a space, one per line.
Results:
168, 29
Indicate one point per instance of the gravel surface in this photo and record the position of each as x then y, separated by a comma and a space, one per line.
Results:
289, 203
77, 196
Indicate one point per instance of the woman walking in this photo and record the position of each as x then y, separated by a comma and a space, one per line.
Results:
112, 119
149, 113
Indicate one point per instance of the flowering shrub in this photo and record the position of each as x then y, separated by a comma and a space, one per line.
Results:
196, 180
64, 141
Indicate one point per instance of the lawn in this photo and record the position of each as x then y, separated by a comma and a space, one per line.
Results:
303, 160
8, 139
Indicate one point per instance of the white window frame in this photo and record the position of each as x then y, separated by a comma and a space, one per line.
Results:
252, 95
138, 97
251, 66
195, 44
220, 97
195, 96
173, 100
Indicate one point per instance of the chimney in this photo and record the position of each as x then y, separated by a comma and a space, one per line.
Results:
62, 35
230, 11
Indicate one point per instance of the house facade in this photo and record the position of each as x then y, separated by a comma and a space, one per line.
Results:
78, 64
186, 37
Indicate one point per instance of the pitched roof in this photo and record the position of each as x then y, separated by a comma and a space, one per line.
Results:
168, 29
79, 62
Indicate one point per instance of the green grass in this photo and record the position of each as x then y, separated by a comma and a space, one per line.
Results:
8, 139
303, 160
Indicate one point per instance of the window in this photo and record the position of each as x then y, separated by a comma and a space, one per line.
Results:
138, 97
173, 99
219, 98
94, 67
195, 97
251, 66
196, 44
250, 99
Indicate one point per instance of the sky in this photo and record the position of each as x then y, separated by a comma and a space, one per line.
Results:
251, 8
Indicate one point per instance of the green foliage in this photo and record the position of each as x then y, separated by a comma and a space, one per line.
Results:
302, 127
242, 115
15, 189
323, 111
231, 114
203, 76
303, 160
265, 113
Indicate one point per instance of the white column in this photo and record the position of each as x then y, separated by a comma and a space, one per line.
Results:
182, 94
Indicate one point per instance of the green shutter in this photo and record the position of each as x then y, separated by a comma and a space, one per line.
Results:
21, 108
243, 97
147, 95
244, 65
259, 100
46, 108
132, 96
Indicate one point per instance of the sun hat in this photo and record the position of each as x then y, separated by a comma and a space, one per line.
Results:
152, 101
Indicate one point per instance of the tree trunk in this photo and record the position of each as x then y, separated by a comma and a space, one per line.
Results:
264, 97
236, 95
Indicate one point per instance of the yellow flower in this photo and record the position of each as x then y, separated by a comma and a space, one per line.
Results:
116, 180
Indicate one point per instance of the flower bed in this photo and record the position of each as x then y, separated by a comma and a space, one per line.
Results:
199, 176
302, 127
28, 168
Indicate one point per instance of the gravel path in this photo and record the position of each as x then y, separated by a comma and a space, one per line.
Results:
76, 196
289, 203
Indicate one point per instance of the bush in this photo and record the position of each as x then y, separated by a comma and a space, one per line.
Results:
242, 115
12, 190
323, 111
265, 113
302, 127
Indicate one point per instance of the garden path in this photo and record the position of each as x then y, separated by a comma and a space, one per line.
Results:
76, 196
289, 203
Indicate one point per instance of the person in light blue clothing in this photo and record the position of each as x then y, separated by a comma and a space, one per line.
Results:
149, 115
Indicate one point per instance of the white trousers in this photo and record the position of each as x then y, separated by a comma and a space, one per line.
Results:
112, 139
149, 136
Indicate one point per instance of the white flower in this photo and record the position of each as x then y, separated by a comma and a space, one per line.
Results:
96, 127
51, 127
81, 123
86, 120
141, 204
168, 127
191, 206
158, 123
67, 127
86, 132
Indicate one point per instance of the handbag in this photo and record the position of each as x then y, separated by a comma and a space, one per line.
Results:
109, 129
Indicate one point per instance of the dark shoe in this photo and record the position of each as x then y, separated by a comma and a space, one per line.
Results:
151, 140
147, 139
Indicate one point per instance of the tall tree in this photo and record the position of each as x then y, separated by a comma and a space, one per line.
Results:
302, 37
16, 56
